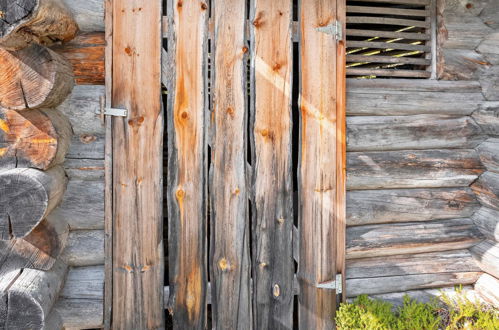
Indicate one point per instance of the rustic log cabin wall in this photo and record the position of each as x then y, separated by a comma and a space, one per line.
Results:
422, 164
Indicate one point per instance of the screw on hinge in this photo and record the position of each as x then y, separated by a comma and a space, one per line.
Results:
335, 29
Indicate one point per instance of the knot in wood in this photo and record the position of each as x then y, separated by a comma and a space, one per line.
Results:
276, 290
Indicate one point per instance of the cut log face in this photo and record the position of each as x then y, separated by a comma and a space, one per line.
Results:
37, 139
34, 77
39, 21
487, 190
26, 197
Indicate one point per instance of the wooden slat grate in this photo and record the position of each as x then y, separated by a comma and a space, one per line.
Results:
389, 38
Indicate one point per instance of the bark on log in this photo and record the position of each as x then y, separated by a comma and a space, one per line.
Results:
35, 139
376, 133
487, 189
412, 169
403, 205
406, 238
487, 256
489, 154
26, 197
33, 77
31, 297
487, 220
40, 21
487, 287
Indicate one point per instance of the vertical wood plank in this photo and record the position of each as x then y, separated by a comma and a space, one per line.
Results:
187, 108
321, 163
137, 166
230, 259
273, 267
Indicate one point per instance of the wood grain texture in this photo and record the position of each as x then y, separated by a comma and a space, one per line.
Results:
487, 189
86, 53
487, 287
489, 154
271, 67
320, 147
34, 77
486, 254
40, 21
88, 14
487, 220
137, 166
84, 248
488, 118
27, 196
186, 122
38, 138
230, 234
404, 205
79, 314
412, 169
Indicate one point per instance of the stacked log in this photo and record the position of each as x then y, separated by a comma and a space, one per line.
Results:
34, 139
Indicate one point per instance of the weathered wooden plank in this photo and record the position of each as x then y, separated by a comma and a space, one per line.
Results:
40, 21
83, 205
87, 146
487, 189
33, 77
388, 284
32, 295
352, 71
387, 59
86, 53
385, 20
387, 34
85, 169
187, 49
231, 265
375, 133
79, 314
488, 118
486, 254
404, 2
489, 154
396, 102
386, 45
404, 85
320, 176
27, 196
488, 288
84, 283
88, 14
460, 31
273, 268
412, 169
37, 139
487, 220
404, 205
84, 248
388, 11
412, 264
407, 238
138, 258
460, 64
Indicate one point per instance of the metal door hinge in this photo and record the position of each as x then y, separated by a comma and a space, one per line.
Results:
105, 111
335, 29
333, 285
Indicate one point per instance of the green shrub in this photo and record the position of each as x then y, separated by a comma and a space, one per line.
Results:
456, 312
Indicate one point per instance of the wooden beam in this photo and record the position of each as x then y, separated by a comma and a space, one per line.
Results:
486, 255
487, 189
137, 166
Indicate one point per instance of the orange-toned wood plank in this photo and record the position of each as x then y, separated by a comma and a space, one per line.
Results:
321, 163
231, 265
186, 195
272, 63
137, 166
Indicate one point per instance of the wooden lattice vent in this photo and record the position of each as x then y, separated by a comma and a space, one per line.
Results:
390, 38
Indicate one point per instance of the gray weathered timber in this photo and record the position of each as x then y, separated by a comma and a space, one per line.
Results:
32, 296
487, 287
39, 21
230, 233
489, 154
82, 107
271, 129
460, 64
54, 321
84, 248
27, 196
408, 238
487, 189
84, 169
83, 205
187, 163
88, 14
463, 31
488, 118
405, 85
84, 283
403, 205
7, 279
487, 220
412, 264
376, 133
79, 314
486, 254
389, 102
87, 146
388, 284
412, 169
489, 80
